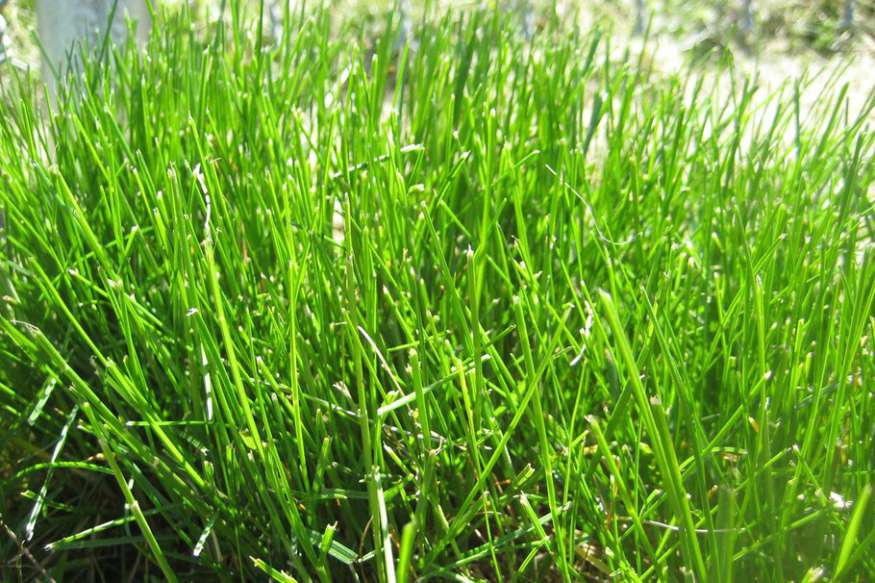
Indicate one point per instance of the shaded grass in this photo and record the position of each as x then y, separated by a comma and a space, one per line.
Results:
329, 308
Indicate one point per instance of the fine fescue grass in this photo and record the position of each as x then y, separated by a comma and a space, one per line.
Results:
328, 307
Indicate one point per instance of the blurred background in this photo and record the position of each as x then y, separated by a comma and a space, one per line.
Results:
773, 39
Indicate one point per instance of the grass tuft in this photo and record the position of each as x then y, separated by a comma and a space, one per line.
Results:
323, 305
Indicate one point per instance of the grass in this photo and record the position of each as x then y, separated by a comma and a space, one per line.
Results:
326, 306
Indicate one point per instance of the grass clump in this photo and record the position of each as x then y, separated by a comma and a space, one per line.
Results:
326, 307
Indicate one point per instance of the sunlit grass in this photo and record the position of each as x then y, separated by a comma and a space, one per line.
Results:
328, 307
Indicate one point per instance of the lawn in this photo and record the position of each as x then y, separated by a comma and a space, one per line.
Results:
318, 303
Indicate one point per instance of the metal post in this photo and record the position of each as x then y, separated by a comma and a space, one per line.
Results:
640, 16
747, 19
848, 15
65, 25
527, 17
